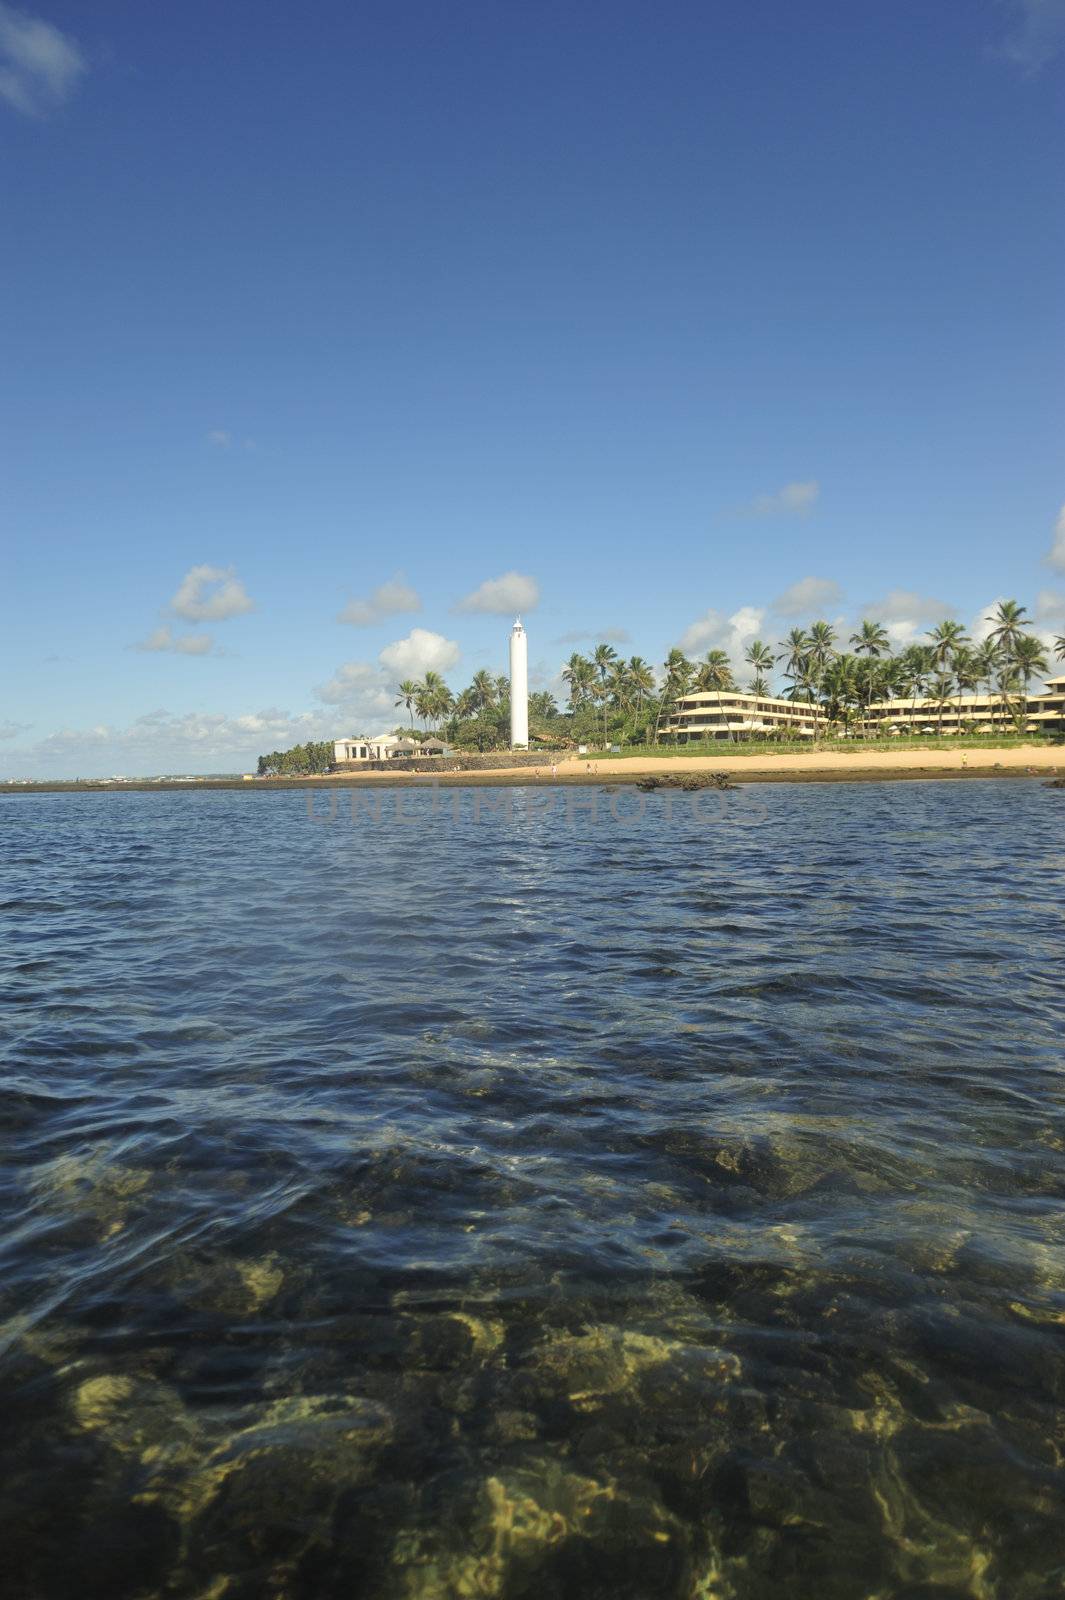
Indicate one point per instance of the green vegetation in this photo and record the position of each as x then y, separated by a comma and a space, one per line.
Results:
762, 745
302, 759
616, 702
610, 701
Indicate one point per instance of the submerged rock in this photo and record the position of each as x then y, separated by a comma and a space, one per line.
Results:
688, 781
228, 1286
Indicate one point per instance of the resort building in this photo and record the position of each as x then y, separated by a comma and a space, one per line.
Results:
970, 713
721, 714
724, 714
384, 747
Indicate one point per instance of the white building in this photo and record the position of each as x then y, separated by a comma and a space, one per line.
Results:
384, 747
729, 714
351, 750
519, 687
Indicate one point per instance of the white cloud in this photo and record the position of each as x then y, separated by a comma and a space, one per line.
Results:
39, 66
420, 652
163, 741
386, 601
210, 594
1049, 606
1039, 33
733, 634
906, 605
598, 635
513, 593
904, 614
808, 596
704, 634
222, 439
364, 692
1056, 553
183, 644
982, 625
746, 623
11, 730
794, 499
350, 680
364, 697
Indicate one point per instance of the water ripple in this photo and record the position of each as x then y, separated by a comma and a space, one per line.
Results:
505, 1205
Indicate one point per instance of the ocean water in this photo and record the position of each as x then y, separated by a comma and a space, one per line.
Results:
499, 1200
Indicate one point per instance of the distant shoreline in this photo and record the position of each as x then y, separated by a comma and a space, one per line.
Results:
823, 766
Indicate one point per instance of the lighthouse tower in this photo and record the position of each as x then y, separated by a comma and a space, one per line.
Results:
519, 687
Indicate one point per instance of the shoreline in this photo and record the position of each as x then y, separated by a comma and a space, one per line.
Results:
823, 766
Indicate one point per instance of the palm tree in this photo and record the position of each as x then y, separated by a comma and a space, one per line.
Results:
1028, 657
715, 673
871, 640
579, 673
483, 690
887, 680
917, 668
867, 678
890, 676
966, 675
434, 697
760, 657
947, 638
641, 682
617, 686
839, 687
939, 694
542, 705
821, 650
1007, 680
795, 654
678, 676
443, 703
986, 660
408, 694
604, 658
1009, 622
1059, 646
804, 686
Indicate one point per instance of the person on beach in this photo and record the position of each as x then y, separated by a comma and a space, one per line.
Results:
554, 770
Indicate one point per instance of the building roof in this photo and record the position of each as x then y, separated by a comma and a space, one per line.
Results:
735, 699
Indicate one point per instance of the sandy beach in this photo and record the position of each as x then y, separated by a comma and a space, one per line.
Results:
853, 765
813, 766
826, 766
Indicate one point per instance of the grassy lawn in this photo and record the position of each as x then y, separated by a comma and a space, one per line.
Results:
721, 747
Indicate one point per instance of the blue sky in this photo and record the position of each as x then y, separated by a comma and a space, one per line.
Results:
687, 321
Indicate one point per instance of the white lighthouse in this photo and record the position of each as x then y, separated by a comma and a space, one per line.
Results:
519, 687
